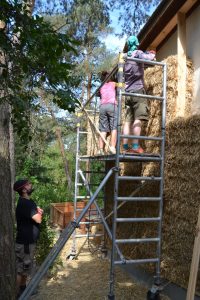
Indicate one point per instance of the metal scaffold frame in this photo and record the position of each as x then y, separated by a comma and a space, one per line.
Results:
86, 183
117, 257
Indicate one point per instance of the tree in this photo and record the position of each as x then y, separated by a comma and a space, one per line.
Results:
36, 59
49, 7
32, 55
7, 258
7, 273
83, 23
133, 13
58, 133
43, 163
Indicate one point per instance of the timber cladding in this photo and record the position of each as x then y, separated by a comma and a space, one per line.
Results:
181, 181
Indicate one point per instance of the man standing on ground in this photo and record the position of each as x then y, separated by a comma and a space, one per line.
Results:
28, 217
136, 108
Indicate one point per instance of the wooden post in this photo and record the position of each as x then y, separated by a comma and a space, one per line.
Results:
182, 67
195, 263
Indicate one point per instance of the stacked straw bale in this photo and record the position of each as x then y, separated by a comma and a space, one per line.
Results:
92, 136
181, 183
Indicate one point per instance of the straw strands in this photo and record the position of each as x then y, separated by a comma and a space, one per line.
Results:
181, 187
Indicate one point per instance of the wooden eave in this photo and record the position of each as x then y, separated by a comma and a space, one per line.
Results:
163, 22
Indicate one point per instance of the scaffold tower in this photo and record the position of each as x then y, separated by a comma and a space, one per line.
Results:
88, 165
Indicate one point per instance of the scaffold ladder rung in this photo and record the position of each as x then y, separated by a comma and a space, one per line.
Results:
139, 199
141, 137
143, 96
146, 62
136, 261
141, 178
87, 198
135, 157
88, 235
157, 219
90, 184
91, 222
94, 172
141, 240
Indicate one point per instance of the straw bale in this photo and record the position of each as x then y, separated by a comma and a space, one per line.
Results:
181, 182
92, 137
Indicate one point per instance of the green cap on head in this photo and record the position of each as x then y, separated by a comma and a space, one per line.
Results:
132, 43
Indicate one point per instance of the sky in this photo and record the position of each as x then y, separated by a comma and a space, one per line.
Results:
112, 41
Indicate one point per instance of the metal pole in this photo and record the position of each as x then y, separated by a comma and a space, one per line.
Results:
73, 248
114, 225
145, 61
98, 89
67, 232
100, 213
103, 244
157, 278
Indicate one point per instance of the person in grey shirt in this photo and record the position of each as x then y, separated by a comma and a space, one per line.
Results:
136, 109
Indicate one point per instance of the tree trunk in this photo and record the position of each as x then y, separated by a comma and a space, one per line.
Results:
12, 161
65, 161
89, 85
61, 146
7, 246
7, 242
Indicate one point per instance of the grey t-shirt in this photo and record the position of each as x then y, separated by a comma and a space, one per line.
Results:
134, 71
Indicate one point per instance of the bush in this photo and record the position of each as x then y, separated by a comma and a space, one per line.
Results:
46, 241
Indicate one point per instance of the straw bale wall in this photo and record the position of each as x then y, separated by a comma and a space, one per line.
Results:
92, 137
181, 182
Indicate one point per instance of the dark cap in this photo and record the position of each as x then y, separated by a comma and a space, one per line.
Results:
19, 184
104, 74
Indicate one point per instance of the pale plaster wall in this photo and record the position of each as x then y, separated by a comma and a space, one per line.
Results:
193, 52
169, 48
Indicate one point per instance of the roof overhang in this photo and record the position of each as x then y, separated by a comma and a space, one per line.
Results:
163, 22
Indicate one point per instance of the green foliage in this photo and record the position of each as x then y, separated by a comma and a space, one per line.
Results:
133, 13
53, 7
88, 22
41, 162
86, 26
46, 240
35, 58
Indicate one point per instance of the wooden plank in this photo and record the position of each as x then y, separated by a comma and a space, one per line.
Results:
181, 49
188, 5
164, 33
169, 27
195, 263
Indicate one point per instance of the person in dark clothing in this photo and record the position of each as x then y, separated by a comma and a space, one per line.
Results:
28, 216
136, 108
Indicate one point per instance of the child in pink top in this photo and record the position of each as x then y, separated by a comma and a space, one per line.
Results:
108, 114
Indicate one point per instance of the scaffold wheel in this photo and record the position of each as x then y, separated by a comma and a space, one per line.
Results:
153, 295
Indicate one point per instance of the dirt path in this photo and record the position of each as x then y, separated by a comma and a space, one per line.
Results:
87, 278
